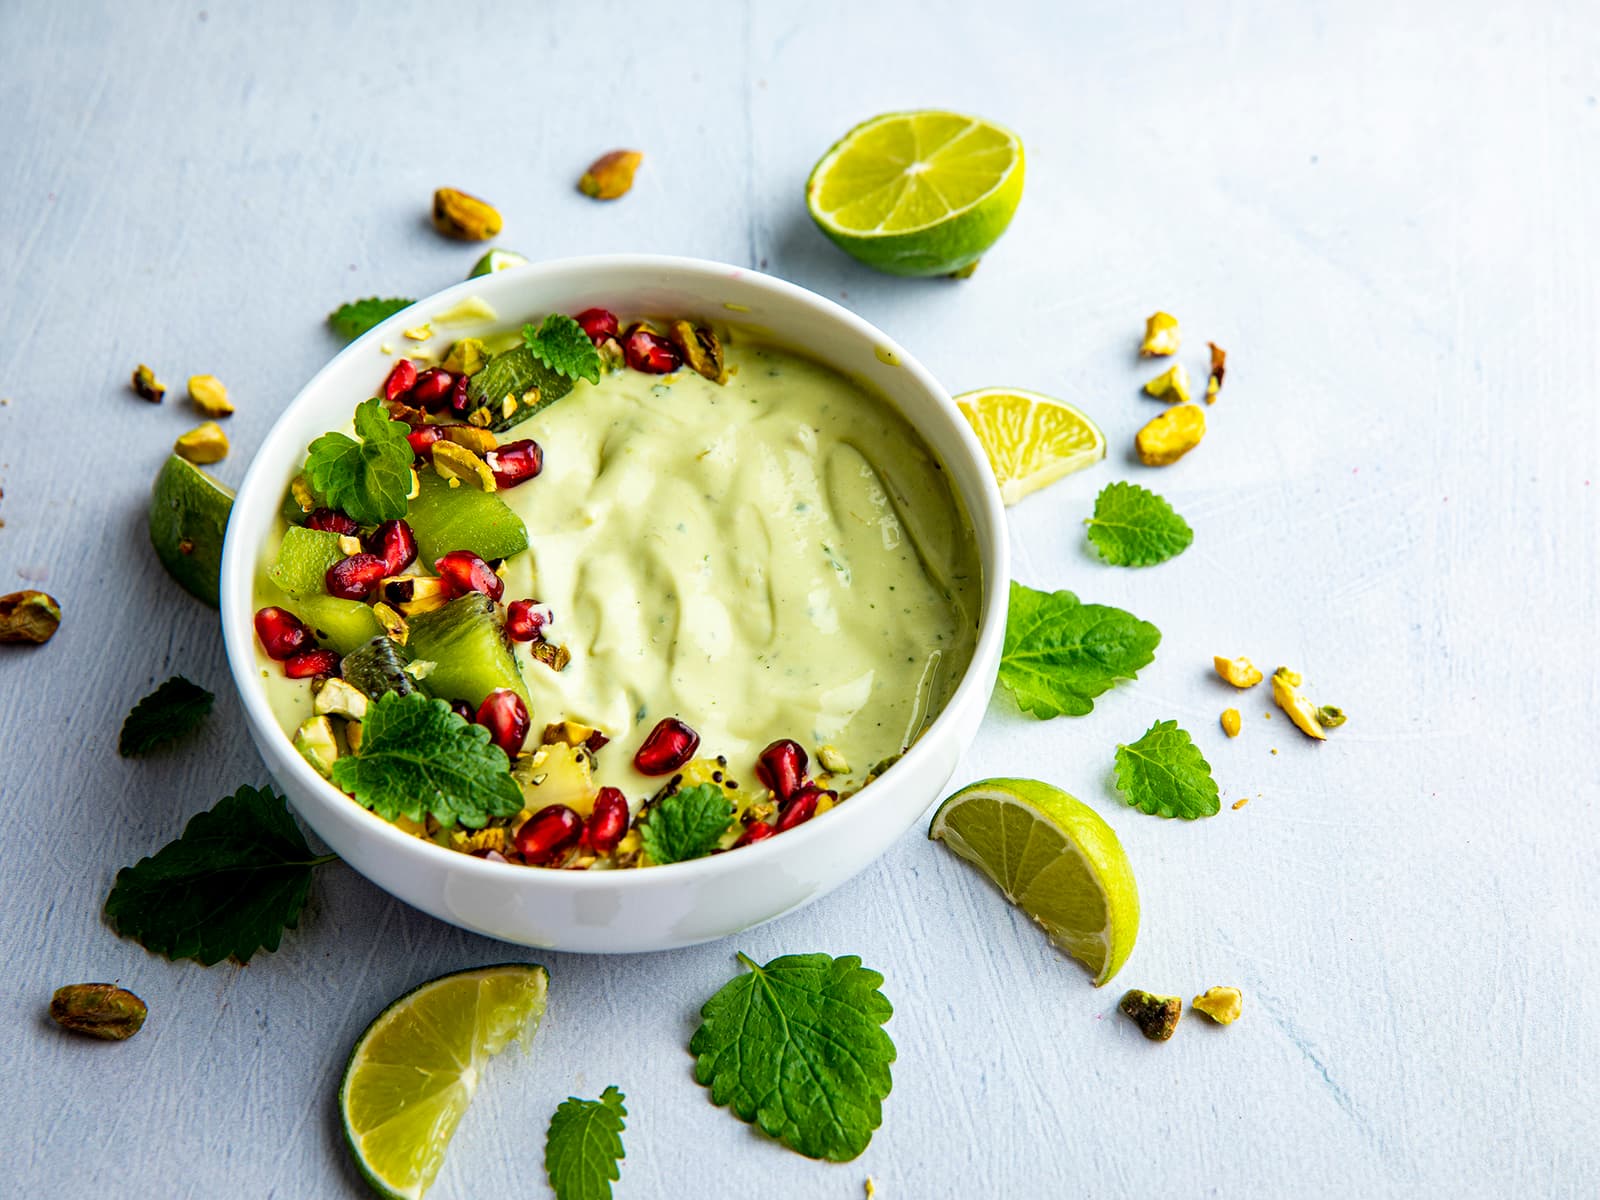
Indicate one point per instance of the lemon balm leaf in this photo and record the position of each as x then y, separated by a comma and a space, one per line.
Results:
418, 758
1133, 527
229, 886
1060, 653
1165, 774
583, 1147
166, 714
687, 824
797, 1048
561, 344
351, 320
368, 479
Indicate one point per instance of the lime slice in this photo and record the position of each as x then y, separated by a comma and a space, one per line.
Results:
1055, 859
918, 193
1031, 440
415, 1069
497, 260
188, 516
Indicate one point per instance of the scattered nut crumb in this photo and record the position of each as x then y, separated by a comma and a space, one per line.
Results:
1170, 436
1240, 803
463, 217
1286, 695
1219, 364
1156, 1016
209, 396
610, 175
832, 760
871, 1188
1330, 716
1240, 672
1161, 335
419, 333
1172, 385
29, 616
203, 444
1230, 722
146, 386
1221, 1004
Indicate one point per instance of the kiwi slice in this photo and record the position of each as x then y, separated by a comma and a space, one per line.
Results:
513, 373
467, 645
377, 666
445, 518
188, 516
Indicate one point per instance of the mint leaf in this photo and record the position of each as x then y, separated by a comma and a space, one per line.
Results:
1132, 527
1060, 654
584, 1145
562, 345
369, 479
167, 713
418, 758
351, 320
687, 824
797, 1047
230, 886
1165, 774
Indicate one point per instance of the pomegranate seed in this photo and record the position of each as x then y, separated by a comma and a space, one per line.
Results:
331, 520
650, 352
595, 742
311, 662
400, 379
781, 768
354, 578
422, 440
432, 390
599, 324
525, 620
393, 542
758, 831
515, 462
667, 747
608, 822
505, 716
460, 402
465, 572
282, 633
802, 807
463, 710
548, 834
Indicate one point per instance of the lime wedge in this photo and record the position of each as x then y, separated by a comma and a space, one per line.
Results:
1031, 440
188, 516
1054, 858
414, 1071
497, 260
918, 193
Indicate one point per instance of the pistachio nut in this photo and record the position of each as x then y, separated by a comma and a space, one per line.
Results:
1161, 335
146, 385
209, 396
460, 465
466, 218
1156, 1016
700, 349
29, 616
610, 175
1170, 436
204, 443
99, 1010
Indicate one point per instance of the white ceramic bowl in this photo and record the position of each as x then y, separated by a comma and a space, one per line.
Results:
659, 907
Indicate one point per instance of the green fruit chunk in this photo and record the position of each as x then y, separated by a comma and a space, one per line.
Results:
496, 260
513, 373
342, 624
467, 645
304, 559
188, 516
376, 667
445, 518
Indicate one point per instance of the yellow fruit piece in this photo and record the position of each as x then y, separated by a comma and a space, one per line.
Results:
1172, 385
1231, 722
209, 396
203, 444
1221, 1004
1031, 440
1161, 335
1240, 672
1170, 436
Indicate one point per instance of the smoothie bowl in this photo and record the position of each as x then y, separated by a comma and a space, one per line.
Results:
615, 604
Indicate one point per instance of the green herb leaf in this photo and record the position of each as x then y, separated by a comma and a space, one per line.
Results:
230, 886
687, 824
351, 320
584, 1145
1132, 527
167, 713
562, 345
369, 479
797, 1047
1060, 654
1165, 774
418, 758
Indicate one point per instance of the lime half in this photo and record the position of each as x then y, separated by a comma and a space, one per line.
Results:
496, 260
1030, 440
188, 516
415, 1069
918, 193
1055, 859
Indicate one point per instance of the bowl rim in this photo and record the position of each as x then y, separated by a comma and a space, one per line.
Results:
239, 564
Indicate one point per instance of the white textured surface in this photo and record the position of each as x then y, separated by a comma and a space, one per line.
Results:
1386, 212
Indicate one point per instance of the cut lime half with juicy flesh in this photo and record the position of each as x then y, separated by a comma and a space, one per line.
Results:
1054, 858
415, 1069
188, 516
918, 193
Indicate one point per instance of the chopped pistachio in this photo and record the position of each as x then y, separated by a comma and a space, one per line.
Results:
832, 760
1221, 1004
336, 698
1219, 366
1286, 695
203, 444
1240, 672
100, 1010
305, 500
349, 544
466, 357
352, 736
146, 386
315, 741
1231, 722
610, 175
1240, 803
1156, 1016
416, 486
460, 465
553, 656
393, 623
700, 349
1171, 385
209, 396
482, 416
29, 616
418, 333
413, 594
571, 733
1330, 716
466, 218
479, 441
1161, 335
1170, 436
